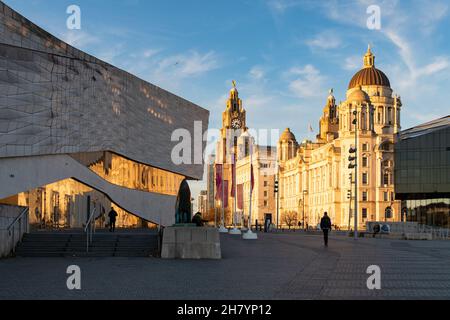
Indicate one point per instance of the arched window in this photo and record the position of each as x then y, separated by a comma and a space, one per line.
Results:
390, 115
386, 146
386, 178
363, 121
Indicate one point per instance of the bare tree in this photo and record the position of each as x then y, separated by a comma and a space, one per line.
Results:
290, 218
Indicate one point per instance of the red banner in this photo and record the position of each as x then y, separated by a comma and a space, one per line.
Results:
240, 196
233, 178
225, 187
219, 174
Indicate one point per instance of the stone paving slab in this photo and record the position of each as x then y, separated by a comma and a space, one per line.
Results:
276, 266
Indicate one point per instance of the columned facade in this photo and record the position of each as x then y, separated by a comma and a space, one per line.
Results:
317, 175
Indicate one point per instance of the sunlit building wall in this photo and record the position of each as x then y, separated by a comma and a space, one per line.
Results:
315, 175
77, 133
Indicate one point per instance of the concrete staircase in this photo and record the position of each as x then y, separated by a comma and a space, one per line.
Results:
73, 244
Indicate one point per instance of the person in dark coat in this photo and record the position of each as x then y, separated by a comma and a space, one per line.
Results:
325, 225
112, 220
197, 219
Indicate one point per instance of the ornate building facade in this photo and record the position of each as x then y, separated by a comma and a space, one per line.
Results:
233, 154
314, 176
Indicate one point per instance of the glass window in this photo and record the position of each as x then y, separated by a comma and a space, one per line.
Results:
386, 178
364, 162
364, 178
365, 147
364, 213
364, 196
385, 196
388, 214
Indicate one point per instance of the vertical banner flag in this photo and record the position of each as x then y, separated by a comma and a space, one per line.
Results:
225, 186
233, 175
252, 179
219, 183
240, 196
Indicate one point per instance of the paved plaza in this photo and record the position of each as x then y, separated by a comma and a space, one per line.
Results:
277, 266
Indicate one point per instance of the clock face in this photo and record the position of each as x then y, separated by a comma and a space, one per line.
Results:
236, 123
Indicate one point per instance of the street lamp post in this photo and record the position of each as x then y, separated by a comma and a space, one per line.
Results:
305, 192
222, 228
235, 230
250, 235
355, 167
277, 192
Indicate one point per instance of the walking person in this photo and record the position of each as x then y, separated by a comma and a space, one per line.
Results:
325, 225
112, 220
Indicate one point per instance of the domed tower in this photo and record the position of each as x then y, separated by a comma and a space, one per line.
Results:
287, 146
370, 98
381, 111
329, 122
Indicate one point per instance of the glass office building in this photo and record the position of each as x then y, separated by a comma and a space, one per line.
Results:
422, 173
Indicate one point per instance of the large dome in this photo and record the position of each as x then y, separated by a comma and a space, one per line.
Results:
287, 135
358, 95
369, 75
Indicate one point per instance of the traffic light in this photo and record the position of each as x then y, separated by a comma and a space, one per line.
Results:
349, 194
351, 158
275, 189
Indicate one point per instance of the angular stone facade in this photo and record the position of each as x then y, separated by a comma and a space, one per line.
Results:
55, 99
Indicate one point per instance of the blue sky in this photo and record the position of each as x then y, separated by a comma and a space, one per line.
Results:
284, 54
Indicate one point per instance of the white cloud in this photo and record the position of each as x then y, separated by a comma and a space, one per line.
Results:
189, 64
257, 73
407, 53
325, 40
151, 52
79, 38
439, 64
435, 12
308, 82
280, 6
352, 63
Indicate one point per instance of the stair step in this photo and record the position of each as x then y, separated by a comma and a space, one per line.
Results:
105, 244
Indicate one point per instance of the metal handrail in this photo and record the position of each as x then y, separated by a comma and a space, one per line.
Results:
89, 220
19, 217
12, 226
90, 229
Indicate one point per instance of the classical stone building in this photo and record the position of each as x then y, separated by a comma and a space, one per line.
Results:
77, 133
315, 176
234, 146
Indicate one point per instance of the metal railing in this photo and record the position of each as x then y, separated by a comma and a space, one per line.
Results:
90, 229
22, 217
436, 232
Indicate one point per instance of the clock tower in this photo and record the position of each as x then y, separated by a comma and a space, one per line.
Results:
233, 125
234, 115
